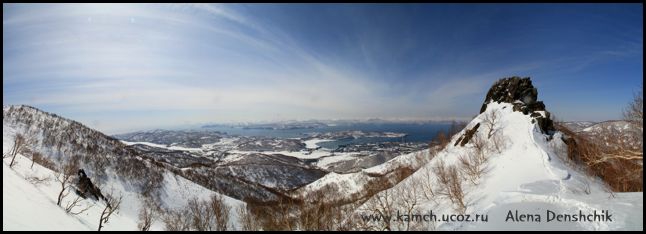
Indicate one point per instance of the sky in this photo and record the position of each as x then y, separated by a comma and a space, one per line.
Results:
126, 67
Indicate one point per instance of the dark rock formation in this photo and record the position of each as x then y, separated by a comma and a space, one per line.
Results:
523, 96
466, 137
86, 188
511, 89
459, 140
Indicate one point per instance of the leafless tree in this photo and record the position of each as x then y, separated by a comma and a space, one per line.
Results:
177, 220
407, 200
384, 205
19, 143
201, 215
634, 113
318, 212
64, 178
76, 203
35, 156
207, 215
145, 219
112, 205
147, 214
247, 220
220, 211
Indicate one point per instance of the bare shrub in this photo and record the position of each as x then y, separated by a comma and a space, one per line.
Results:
480, 147
76, 203
472, 167
208, 215
606, 157
147, 214
499, 142
220, 211
442, 178
492, 121
384, 205
201, 215
407, 201
177, 220
112, 205
145, 219
441, 139
426, 184
455, 187
247, 220
315, 212
451, 185
35, 180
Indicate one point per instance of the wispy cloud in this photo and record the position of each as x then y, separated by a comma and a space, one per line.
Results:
129, 66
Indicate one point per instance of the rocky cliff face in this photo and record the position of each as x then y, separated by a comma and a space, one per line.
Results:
524, 96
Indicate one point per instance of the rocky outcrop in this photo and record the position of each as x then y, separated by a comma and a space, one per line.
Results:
468, 134
523, 96
85, 187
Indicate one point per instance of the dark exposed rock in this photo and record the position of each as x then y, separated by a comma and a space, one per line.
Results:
511, 89
546, 124
469, 134
458, 141
537, 106
86, 188
517, 107
523, 96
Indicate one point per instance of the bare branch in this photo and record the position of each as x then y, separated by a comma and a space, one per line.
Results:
112, 204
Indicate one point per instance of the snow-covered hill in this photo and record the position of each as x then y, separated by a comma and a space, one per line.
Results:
348, 187
519, 168
31, 205
616, 133
507, 169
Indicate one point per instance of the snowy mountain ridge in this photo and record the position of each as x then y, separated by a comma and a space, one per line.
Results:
113, 167
513, 162
509, 164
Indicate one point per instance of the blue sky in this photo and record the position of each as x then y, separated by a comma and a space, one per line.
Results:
121, 67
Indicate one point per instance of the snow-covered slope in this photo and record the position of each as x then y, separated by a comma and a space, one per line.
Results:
509, 165
353, 186
28, 207
528, 172
32, 206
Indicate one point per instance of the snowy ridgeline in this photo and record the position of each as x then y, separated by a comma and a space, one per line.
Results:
30, 195
505, 167
519, 170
